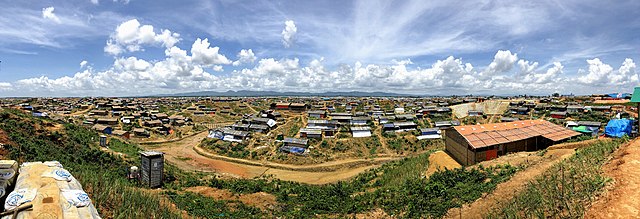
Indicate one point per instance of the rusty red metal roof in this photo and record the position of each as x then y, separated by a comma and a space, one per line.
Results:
486, 135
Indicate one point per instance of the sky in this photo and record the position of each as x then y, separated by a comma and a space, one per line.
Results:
136, 47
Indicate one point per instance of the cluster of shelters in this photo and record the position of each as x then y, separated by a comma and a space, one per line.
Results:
245, 127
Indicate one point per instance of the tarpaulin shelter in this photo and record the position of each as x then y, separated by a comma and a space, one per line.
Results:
593, 131
618, 128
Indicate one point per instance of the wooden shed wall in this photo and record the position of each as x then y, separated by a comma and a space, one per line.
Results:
457, 146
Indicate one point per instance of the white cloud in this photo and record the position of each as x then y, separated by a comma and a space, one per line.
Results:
130, 36
203, 54
626, 74
598, 73
83, 63
502, 62
550, 76
289, 33
180, 71
95, 2
47, 13
5, 86
245, 56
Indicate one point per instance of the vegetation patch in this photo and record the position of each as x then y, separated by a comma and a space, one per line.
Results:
564, 190
101, 174
231, 149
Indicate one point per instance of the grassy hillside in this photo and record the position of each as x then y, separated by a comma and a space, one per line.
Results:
101, 174
398, 188
564, 190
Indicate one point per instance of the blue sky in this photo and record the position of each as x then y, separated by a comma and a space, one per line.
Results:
135, 47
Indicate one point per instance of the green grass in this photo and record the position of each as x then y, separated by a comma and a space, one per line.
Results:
131, 151
397, 187
564, 190
204, 207
394, 174
101, 174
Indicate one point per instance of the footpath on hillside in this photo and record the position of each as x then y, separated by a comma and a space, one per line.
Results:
506, 190
622, 199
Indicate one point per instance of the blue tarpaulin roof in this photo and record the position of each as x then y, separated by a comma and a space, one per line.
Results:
618, 127
291, 149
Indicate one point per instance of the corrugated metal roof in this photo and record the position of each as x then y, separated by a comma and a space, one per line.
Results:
635, 97
484, 135
296, 141
363, 128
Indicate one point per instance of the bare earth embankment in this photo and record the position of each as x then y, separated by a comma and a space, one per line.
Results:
622, 199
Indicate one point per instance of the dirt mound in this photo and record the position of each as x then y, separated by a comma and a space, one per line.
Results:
622, 200
440, 160
260, 200
490, 107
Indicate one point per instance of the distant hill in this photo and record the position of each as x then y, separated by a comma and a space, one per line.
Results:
246, 93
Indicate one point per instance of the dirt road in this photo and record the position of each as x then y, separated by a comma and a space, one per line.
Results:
505, 191
182, 154
622, 200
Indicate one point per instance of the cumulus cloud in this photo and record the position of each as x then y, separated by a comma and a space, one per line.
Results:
289, 33
47, 13
95, 2
130, 36
245, 56
502, 62
203, 54
597, 74
83, 63
626, 74
181, 71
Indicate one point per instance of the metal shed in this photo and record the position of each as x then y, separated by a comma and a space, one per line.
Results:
152, 168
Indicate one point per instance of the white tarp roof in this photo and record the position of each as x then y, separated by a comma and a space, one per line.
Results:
422, 137
271, 123
361, 134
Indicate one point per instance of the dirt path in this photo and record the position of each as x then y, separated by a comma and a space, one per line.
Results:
623, 199
251, 108
383, 141
182, 154
81, 112
505, 191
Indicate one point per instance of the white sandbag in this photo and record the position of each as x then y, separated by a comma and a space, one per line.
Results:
58, 174
19, 197
3, 188
50, 180
8, 171
9, 164
7, 174
53, 164
76, 198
